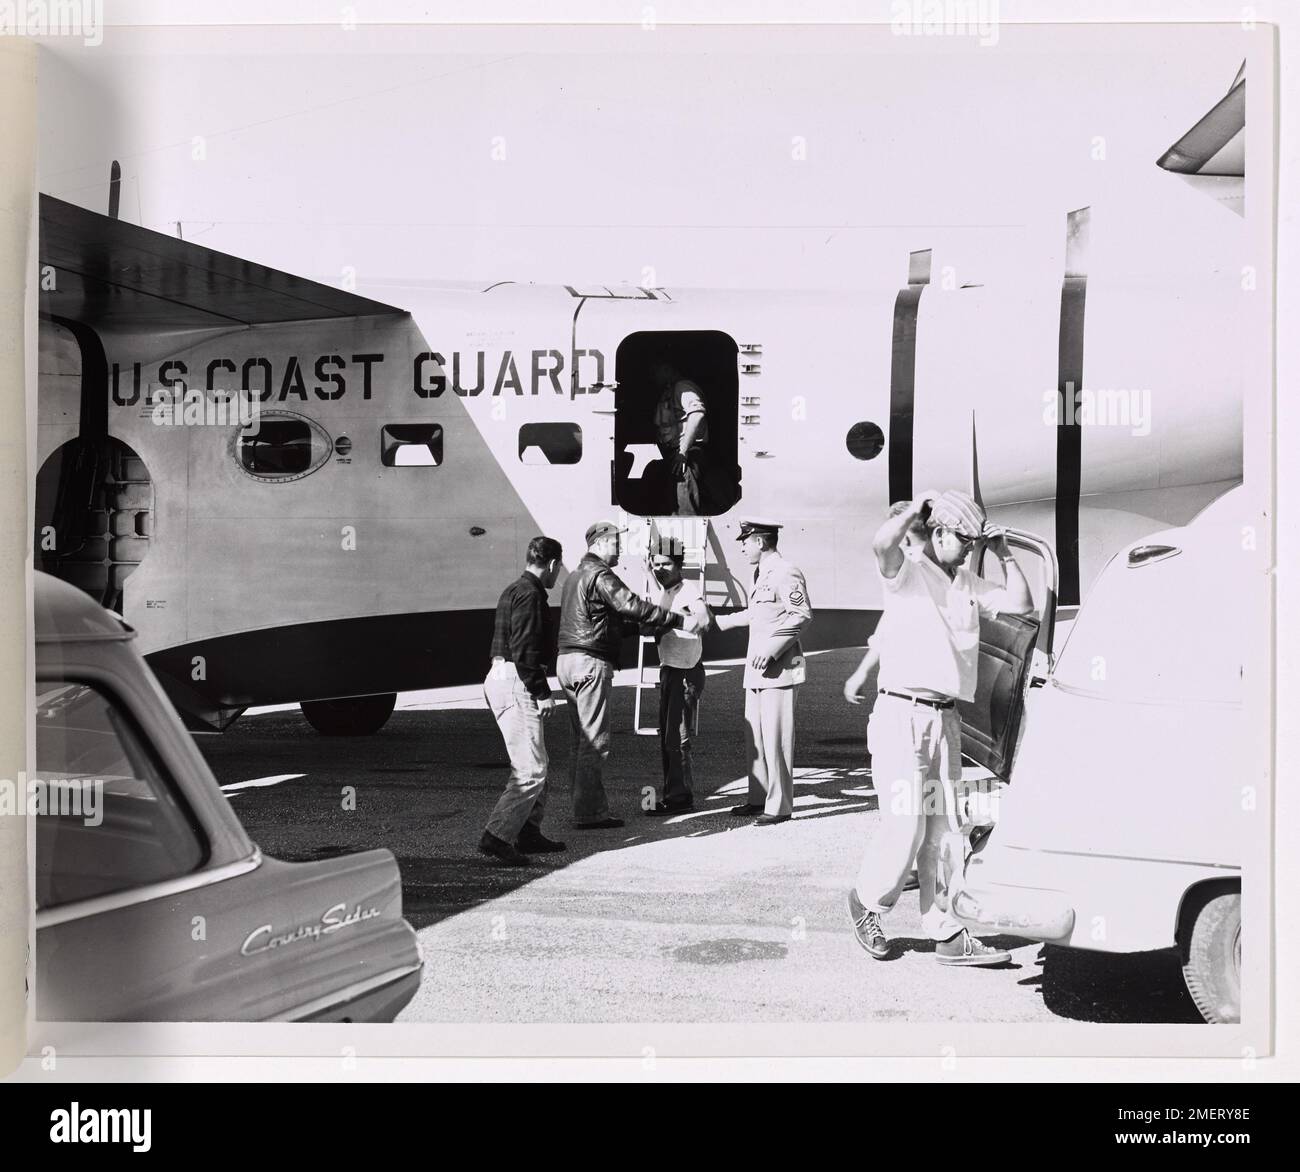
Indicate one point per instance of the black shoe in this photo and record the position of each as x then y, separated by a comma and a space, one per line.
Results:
771, 819
502, 851
534, 842
745, 810
667, 810
599, 824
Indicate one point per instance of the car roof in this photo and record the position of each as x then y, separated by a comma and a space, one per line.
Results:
65, 614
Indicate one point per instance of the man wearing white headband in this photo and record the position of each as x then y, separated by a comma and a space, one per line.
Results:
933, 605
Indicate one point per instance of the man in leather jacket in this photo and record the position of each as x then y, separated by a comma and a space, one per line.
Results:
594, 609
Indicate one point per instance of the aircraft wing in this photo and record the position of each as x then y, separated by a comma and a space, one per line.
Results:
1212, 155
111, 274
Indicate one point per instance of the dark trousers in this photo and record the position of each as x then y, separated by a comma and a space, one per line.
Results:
586, 681
687, 499
680, 690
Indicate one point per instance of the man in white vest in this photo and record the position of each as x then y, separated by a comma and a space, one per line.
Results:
681, 678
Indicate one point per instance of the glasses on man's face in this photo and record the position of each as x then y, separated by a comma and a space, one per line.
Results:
661, 565
966, 542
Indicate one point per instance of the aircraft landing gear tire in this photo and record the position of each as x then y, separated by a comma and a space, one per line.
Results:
352, 716
1212, 958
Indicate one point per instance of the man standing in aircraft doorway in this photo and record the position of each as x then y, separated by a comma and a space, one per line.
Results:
778, 611
931, 659
682, 428
594, 607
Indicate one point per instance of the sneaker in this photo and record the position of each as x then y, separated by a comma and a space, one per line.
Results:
502, 851
866, 926
533, 841
965, 949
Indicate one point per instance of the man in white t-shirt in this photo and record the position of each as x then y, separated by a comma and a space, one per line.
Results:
932, 610
681, 679
913, 545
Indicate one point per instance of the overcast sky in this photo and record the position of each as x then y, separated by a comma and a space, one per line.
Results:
761, 157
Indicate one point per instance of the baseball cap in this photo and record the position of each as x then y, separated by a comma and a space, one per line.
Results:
602, 529
958, 511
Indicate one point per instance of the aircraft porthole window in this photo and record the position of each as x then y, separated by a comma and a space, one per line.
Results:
411, 445
865, 441
281, 446
550, 443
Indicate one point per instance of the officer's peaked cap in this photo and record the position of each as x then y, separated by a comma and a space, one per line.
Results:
768, 527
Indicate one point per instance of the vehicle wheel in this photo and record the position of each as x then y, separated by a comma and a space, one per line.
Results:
352, 716
1212, 959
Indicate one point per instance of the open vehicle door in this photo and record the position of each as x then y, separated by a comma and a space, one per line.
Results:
1015, 654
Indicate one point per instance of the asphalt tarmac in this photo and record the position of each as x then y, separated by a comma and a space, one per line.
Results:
697, 918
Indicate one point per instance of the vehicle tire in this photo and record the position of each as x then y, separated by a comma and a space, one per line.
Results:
352, 716
1212, 958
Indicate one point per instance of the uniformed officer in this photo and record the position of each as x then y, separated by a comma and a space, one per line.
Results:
774, 668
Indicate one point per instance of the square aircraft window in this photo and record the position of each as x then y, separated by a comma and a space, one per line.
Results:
550, 443
411, 445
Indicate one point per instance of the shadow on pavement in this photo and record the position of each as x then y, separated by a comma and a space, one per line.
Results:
1115, 987
425, 785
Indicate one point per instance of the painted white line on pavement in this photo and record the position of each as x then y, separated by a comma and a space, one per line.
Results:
837, 810
259, 782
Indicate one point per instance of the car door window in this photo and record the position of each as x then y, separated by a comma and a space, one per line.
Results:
1037, 561
1014, 654
107, 817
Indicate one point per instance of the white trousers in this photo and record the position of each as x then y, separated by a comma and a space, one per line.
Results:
915, 761
520, 722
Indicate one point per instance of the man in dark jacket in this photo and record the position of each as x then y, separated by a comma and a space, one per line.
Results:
593, 610
523, 645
